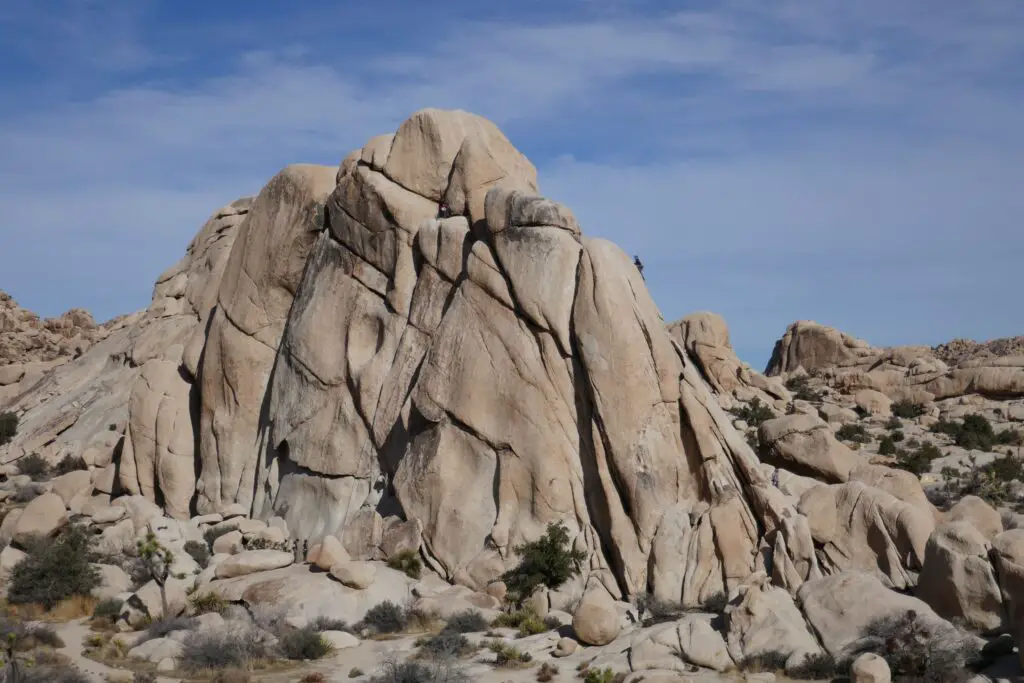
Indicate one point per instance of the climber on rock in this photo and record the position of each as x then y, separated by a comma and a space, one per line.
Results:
639, 265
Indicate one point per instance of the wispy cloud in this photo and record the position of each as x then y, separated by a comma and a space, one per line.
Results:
848, 161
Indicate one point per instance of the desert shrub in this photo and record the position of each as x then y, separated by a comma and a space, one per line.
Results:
321, 624
162, 627
765, 662
893, 423
54, 570
993, 482
887, 446
205, 603
513, 619
548, 561
199, 552
532, 625
716, 602
546, 672
385, 617
70, 463
394, 670
26, 494
919, 460
509, 655
802, 391
605, 675
53, 673
8, 427
654, 611
975, 432
108, 609
753, 413
224, 648
355, 672
897, 435
853, 432
315, 677
915, 653
213, 533
907, 410
446, 644
304, 643
144, 677
467, 621
34, 466
407, 562
816, 667
259, 543
27, 637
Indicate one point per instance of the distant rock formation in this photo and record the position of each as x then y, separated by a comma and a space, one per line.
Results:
916, 373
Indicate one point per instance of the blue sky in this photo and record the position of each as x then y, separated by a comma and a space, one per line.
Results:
856, 163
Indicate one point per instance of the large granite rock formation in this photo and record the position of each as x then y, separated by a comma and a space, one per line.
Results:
915, 373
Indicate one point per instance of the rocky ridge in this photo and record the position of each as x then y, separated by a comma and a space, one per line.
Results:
335, 364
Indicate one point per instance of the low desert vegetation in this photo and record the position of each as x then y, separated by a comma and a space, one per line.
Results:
304, 644
526, 621
802, 391
996, 482
975, 432
35, 466
206, 603
917, 459
387, 618
546, 672
8, 427
54, 570
468, 621
855, 433
200, 552
917, 655
548, 561
509, 656
407, 562
653, 611
605, 675
753, 413
69, 464
394, 670
907, 410
444, 645
107, 611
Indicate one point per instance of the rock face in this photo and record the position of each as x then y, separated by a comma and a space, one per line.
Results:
30, 345
917, 373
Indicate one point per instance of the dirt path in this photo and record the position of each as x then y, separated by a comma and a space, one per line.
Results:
74, 633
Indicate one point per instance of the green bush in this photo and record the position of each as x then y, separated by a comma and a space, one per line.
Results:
549, 561
897, 435
396, 670
321, 624
605, 675
509, 655
8, 427
55, 570
907, 409
266, 544
887, 446
385, 617
975, 432
994, 482
206, 603
304, 643
34, 466
108, 609
70, 463
853, 432
802, 391
446, 644
467, 621
200, 552
919, 460
407, 562
893, 423
754, 413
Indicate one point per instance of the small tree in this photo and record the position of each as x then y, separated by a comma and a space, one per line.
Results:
549, 561
157, 560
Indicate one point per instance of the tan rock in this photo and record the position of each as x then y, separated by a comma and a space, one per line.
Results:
873, 402
253, 561
595, 621
44, 516
358, 575
957, 580
229, 543
331, 553
980, 514
870, 668
764, 619
1008, 561
72, 484
803, 444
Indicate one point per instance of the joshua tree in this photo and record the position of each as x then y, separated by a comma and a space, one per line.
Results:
158, 561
